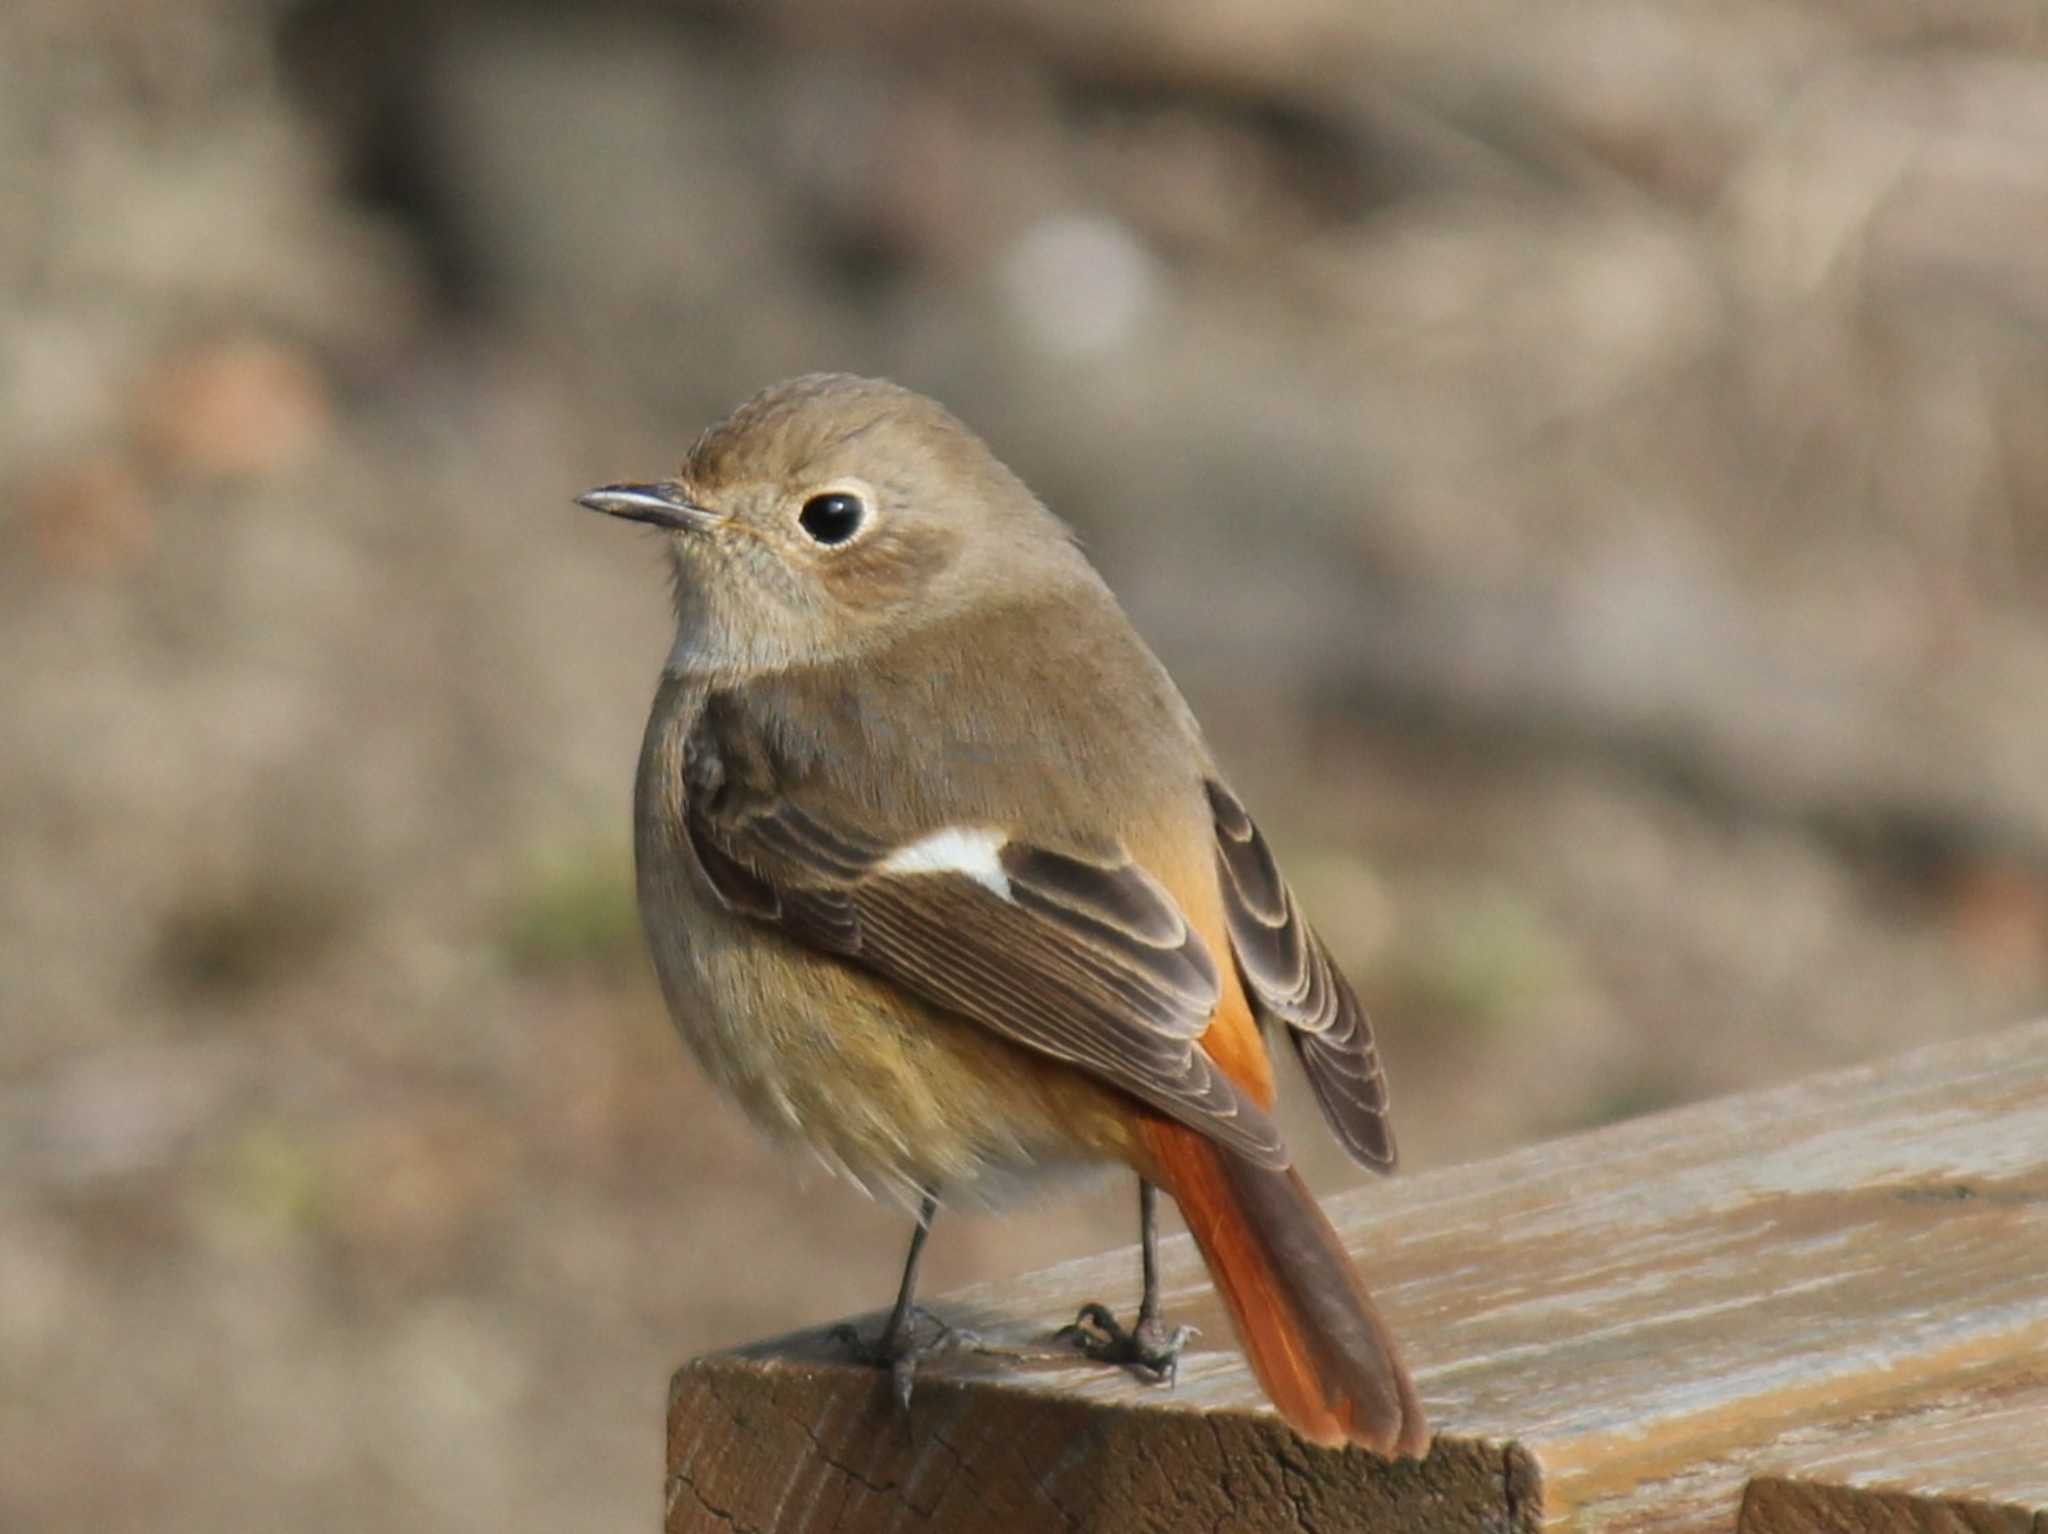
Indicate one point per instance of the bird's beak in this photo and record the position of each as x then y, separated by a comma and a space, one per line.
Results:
662, 505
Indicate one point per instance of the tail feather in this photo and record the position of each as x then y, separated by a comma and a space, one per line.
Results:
1312, 1334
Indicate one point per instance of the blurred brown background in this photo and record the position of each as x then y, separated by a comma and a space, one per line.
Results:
1588, 465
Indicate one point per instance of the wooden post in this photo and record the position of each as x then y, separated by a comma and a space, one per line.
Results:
1820, 1307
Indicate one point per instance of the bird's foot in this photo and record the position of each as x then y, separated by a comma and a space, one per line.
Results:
1151, 1347
901, 1348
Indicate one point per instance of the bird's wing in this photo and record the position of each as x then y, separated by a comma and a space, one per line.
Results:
1087, 959
1290, 977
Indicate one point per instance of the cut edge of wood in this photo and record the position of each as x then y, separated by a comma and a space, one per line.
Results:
796, 1444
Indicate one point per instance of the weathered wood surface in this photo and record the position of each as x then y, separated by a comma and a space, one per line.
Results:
1818, 1307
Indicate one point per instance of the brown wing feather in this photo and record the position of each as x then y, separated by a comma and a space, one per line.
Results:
1290, 976
1088, 961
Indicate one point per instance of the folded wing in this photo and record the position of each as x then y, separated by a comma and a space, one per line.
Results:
1086, 959
1291, 979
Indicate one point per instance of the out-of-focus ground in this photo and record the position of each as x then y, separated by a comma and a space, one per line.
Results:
1588, 465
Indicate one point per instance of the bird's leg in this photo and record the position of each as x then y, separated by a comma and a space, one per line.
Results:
897, 1348
1150, 1346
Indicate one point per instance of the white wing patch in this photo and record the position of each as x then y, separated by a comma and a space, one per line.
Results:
955, 851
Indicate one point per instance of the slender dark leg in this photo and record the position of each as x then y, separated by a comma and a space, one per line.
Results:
906, 1292
1148, 1253
897, 1348
1150, 1346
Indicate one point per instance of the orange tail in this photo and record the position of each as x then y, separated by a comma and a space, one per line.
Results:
1313, 1335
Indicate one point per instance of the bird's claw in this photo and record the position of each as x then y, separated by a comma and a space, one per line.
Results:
1151, 1347
899, 1349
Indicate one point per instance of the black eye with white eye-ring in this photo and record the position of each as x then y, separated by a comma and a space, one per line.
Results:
832, 517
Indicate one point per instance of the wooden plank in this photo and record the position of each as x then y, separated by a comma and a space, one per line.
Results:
1773, 1505
1837, 1290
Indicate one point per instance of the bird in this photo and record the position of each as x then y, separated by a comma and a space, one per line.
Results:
940, 877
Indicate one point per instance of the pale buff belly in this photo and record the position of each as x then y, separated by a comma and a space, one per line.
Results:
902, 1097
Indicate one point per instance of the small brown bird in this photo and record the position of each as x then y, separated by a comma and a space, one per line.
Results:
939, 876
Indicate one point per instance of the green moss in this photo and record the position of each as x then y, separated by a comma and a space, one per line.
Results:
274, 1180
1630, 1100
1480, 962
575, 911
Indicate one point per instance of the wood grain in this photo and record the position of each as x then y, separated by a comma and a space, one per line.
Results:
1823, 1306
1773, 1505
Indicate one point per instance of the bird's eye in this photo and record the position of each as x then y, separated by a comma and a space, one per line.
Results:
832, 517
